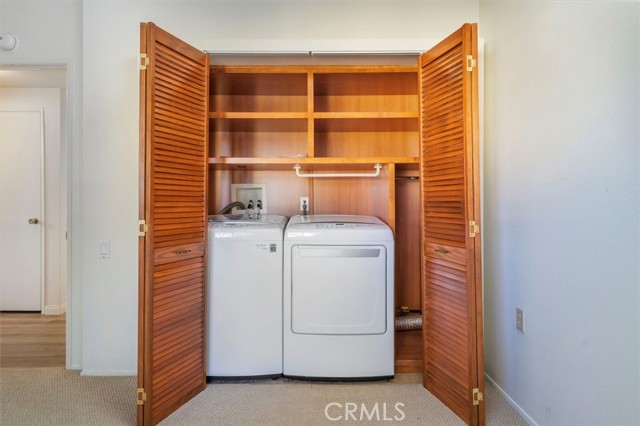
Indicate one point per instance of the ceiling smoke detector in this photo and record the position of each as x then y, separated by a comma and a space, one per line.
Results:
7, 41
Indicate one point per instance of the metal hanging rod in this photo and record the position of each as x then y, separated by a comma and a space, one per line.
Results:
297, 168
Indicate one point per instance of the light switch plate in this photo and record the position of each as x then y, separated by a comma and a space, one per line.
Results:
105, 250
520, 319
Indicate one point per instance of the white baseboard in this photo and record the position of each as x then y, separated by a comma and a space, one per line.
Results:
108, 373
527, 418
54, 309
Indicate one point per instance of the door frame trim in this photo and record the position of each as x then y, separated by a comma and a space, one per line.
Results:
43, 212
68, 151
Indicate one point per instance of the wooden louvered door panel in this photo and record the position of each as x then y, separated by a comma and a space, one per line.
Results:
451, 282
173, 133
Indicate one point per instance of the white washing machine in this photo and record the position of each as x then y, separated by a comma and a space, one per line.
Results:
338, 298
245, 296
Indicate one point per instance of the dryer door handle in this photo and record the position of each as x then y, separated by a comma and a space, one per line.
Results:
338, 252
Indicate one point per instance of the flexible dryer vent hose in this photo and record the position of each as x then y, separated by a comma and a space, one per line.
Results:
409, 321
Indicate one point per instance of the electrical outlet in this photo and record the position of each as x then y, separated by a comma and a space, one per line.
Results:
303, 201
520, 319
105, 249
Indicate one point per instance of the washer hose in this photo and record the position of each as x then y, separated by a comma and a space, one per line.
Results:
230, 206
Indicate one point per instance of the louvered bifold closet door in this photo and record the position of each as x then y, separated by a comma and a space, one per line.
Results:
451, 282
174, 111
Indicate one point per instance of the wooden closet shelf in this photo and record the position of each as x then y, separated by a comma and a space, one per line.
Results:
258, 115
286, 163
359, 115
316, 115
314, 69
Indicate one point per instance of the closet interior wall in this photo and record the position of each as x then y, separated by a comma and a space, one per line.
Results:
327, 114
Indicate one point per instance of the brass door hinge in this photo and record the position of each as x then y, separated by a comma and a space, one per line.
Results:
471, 63
473, 228
144, 61
477, 396
142, 228
142, 396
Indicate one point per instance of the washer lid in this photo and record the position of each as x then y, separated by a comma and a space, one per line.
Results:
266, 227
265, 219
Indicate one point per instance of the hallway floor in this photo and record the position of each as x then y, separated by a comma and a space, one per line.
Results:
32, 340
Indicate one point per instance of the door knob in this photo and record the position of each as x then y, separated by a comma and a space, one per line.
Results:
33, 221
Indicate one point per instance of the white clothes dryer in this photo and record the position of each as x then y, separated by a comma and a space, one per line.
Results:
338, 298
244, 298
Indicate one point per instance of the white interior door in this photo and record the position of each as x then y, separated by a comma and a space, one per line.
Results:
21, 213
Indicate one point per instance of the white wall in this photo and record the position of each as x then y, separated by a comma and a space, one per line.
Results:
110, 160
561, 207
48, 99
49, 32
561, 169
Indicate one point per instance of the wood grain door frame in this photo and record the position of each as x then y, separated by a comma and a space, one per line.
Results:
142, 240
467, 253
450, 225
172, 249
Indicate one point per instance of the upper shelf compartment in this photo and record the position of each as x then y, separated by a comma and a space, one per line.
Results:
270, 115
268, 93
384, 93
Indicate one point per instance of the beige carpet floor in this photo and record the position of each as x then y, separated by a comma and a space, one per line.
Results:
54, 396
